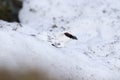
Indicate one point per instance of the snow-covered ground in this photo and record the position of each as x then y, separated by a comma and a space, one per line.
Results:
39, 40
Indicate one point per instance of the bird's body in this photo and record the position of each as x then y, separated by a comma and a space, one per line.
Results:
62, 39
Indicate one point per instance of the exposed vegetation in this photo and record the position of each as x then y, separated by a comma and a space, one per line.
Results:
31, 74
9, 9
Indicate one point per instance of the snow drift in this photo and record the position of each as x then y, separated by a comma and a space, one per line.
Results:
94, 56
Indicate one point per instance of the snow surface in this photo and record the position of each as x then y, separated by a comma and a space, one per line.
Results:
94, 56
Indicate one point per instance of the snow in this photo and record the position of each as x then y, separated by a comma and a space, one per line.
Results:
94, 56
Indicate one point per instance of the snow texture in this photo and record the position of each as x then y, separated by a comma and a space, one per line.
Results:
39, 40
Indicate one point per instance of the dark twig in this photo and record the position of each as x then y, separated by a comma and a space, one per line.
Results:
70, 36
